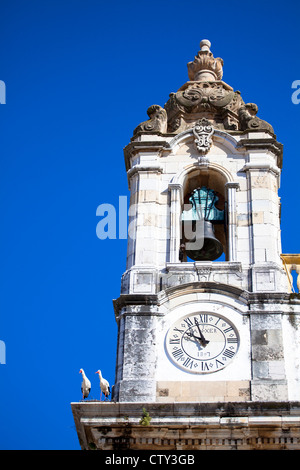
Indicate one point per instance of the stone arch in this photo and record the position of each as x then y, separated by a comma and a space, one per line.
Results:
224, 175
198, 287
213, 176
219, 137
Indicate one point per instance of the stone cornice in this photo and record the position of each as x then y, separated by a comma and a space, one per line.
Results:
187, 426
263, 144
261, 166
149, 304
232, 185
139, 300
140, 168
146, 146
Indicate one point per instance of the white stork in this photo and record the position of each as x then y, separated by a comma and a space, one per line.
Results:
104, 385
85, 386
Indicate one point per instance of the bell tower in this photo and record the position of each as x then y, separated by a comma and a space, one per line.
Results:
208, 329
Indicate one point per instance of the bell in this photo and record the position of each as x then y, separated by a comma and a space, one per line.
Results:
212, 248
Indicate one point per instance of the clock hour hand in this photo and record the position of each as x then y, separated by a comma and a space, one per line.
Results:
193, 336
201, 340
204, 342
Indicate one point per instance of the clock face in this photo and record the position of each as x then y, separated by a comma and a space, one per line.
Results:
202, 343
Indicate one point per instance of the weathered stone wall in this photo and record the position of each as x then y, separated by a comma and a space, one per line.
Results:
136, 363
267, 364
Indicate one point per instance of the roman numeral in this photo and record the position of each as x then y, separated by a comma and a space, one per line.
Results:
174, 341
179, 331
188, 321
228, 329
178, 354
219, 363
228, 353
204, 366
231, 340
203, 318
188, 363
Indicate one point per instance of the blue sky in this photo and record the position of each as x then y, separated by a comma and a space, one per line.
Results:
79, 78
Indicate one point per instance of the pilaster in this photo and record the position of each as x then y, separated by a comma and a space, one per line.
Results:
176, 193
232, 187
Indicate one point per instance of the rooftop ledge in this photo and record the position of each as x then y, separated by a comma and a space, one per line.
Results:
187, 426
95, 408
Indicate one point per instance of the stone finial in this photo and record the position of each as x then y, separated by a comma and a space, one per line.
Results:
205, 67
205, 45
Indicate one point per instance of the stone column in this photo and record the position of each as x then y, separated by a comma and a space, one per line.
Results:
175, 221
231, 210
132, 218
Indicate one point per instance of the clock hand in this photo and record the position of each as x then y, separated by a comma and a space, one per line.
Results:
200, 340
204, 342
193, 336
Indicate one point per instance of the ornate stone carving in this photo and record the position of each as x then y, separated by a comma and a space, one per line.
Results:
214, 99
205, 96
205, 66
203, 131
157, 121
249, 120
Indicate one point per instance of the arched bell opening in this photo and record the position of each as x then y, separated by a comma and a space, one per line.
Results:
204, 217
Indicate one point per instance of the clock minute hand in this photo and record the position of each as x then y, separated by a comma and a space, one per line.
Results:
204, 342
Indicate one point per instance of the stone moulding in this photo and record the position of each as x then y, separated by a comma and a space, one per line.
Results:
164, 147
156, 146
261, 166
233, 143
188, 426
203, 287
263, 144
150, 304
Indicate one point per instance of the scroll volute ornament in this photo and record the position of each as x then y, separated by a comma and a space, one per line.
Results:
157, 121
249, 120
205, 94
